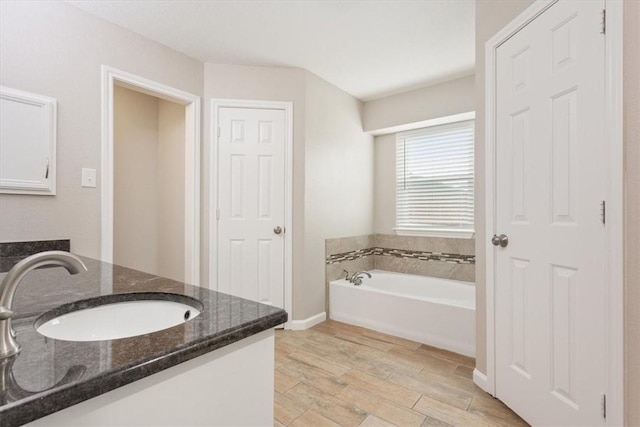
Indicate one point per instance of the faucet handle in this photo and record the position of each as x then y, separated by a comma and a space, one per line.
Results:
347, 277
5, 313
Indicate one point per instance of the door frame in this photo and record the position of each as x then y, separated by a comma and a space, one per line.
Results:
287, 107
614, 201
110, 78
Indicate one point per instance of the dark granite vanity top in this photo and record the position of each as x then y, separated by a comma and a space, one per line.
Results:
49, 375
12, 252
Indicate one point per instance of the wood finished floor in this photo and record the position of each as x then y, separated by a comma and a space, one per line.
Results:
336, 374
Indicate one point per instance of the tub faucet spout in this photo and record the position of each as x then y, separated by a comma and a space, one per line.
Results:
356, 278
8, 345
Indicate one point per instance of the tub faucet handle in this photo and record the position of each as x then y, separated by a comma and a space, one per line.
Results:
347, 276
356, 278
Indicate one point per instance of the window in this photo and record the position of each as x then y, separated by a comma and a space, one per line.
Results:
434, 177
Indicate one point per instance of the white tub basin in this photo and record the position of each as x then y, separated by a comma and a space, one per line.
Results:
117, 320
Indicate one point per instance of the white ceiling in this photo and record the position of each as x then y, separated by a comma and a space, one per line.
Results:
368, 48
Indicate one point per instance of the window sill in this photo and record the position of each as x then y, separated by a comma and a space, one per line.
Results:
457, 234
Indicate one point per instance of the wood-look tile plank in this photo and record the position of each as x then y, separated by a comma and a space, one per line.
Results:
433, 422
424, 359
380, 407
284, 382
437, 390
464, 371
322, 363
368, 359
365, 341
353, 352
341, 327
343, 372
337, 410
312, 418
283, 347
286, 410
277, 423
331, 327
314, 376
394, 393
491, 408
398, 364
455, 381
300, 342
363, 362
372, 353
397, 341
347, 353
333, 342
449, 355
373, 421
280, 359
449, 414
325, 329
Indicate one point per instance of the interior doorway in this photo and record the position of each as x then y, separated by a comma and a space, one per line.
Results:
251, 195
148, 216
554, 215
150, 177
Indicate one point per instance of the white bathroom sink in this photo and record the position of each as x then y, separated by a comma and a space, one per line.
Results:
114, 320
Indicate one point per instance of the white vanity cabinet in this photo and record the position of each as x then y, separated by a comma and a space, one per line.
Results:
27, 143
230, 386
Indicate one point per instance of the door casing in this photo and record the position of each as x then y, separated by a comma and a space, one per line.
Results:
614, 200
287, 107
191, 102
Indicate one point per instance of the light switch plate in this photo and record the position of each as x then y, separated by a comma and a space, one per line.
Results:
88, 177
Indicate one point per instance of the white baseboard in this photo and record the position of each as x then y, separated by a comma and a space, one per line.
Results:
481, 380
298, 325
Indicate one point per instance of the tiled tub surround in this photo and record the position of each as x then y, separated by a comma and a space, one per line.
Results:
446, 258
58, 374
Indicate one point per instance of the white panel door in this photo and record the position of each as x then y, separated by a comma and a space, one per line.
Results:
550, 282
251, 197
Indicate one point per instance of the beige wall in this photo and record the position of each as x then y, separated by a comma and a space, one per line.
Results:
384, 212
338, 182
444, 99
171, 190
632, 208
135, 195
491, 16
149, 191
56, 50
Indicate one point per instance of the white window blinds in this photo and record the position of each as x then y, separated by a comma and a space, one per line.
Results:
434, 176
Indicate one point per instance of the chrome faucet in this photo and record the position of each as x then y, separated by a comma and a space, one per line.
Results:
356, 278
8, 344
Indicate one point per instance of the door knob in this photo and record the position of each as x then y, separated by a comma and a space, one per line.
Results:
277, 230
501, 240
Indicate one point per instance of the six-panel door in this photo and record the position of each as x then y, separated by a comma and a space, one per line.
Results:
550, 284
251, 197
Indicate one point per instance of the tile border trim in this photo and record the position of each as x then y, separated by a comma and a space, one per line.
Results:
401, 253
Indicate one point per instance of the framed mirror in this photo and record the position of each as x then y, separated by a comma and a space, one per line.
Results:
27, 143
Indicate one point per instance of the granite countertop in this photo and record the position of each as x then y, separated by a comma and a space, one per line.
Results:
49, 375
